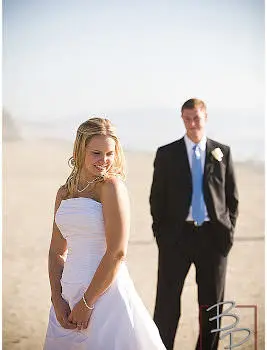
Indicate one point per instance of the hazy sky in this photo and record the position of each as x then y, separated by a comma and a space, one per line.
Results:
62, 57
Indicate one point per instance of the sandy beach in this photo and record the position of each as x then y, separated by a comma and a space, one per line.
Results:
32, 173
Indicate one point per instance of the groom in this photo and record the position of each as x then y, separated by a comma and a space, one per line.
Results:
194, 206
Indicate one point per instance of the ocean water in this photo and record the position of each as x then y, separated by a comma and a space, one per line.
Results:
147, 130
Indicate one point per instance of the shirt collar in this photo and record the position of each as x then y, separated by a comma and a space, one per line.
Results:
190, 144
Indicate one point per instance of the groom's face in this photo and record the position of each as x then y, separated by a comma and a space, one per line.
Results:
194, 120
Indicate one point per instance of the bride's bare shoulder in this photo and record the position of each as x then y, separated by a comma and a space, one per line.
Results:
62, 193
113, 185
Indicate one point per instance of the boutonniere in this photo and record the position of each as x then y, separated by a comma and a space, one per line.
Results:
217, 154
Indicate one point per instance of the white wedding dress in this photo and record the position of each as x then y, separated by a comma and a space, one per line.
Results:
119, 320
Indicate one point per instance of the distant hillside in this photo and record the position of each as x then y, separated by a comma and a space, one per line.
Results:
10, 130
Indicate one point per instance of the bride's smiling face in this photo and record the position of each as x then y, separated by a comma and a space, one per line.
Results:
99, 155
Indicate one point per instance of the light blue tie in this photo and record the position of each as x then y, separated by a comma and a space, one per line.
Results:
198, 204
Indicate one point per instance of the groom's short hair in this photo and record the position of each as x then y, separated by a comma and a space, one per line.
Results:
194, 103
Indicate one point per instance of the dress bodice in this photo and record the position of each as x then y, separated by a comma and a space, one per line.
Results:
80, 221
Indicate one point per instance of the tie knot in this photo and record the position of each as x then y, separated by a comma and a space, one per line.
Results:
196, 150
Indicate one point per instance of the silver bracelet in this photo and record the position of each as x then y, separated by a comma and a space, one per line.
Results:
88, 307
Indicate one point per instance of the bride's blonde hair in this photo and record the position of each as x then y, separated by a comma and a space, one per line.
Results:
85, 132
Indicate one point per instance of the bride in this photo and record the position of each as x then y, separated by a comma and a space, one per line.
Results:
94, 303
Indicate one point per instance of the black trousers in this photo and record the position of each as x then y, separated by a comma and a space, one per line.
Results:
195, 245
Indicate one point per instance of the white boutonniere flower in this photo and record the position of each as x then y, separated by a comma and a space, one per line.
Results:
217, 154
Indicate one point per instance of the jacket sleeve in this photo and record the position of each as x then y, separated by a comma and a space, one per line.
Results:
231, 192
157, 197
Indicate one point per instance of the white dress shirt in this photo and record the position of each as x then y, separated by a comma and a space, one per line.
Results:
202, 148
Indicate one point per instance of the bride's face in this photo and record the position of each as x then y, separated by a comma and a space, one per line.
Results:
99, 156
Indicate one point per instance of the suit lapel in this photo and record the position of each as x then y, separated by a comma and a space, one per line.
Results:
185, 159
184, 163
181, 162
209, 161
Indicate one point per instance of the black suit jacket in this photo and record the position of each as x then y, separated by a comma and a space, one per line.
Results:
171, 192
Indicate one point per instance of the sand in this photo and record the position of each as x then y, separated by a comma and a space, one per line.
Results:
32, 173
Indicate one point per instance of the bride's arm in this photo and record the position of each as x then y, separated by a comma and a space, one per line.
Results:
116, 212
57, 252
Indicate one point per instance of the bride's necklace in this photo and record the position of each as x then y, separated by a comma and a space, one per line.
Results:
89, 183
